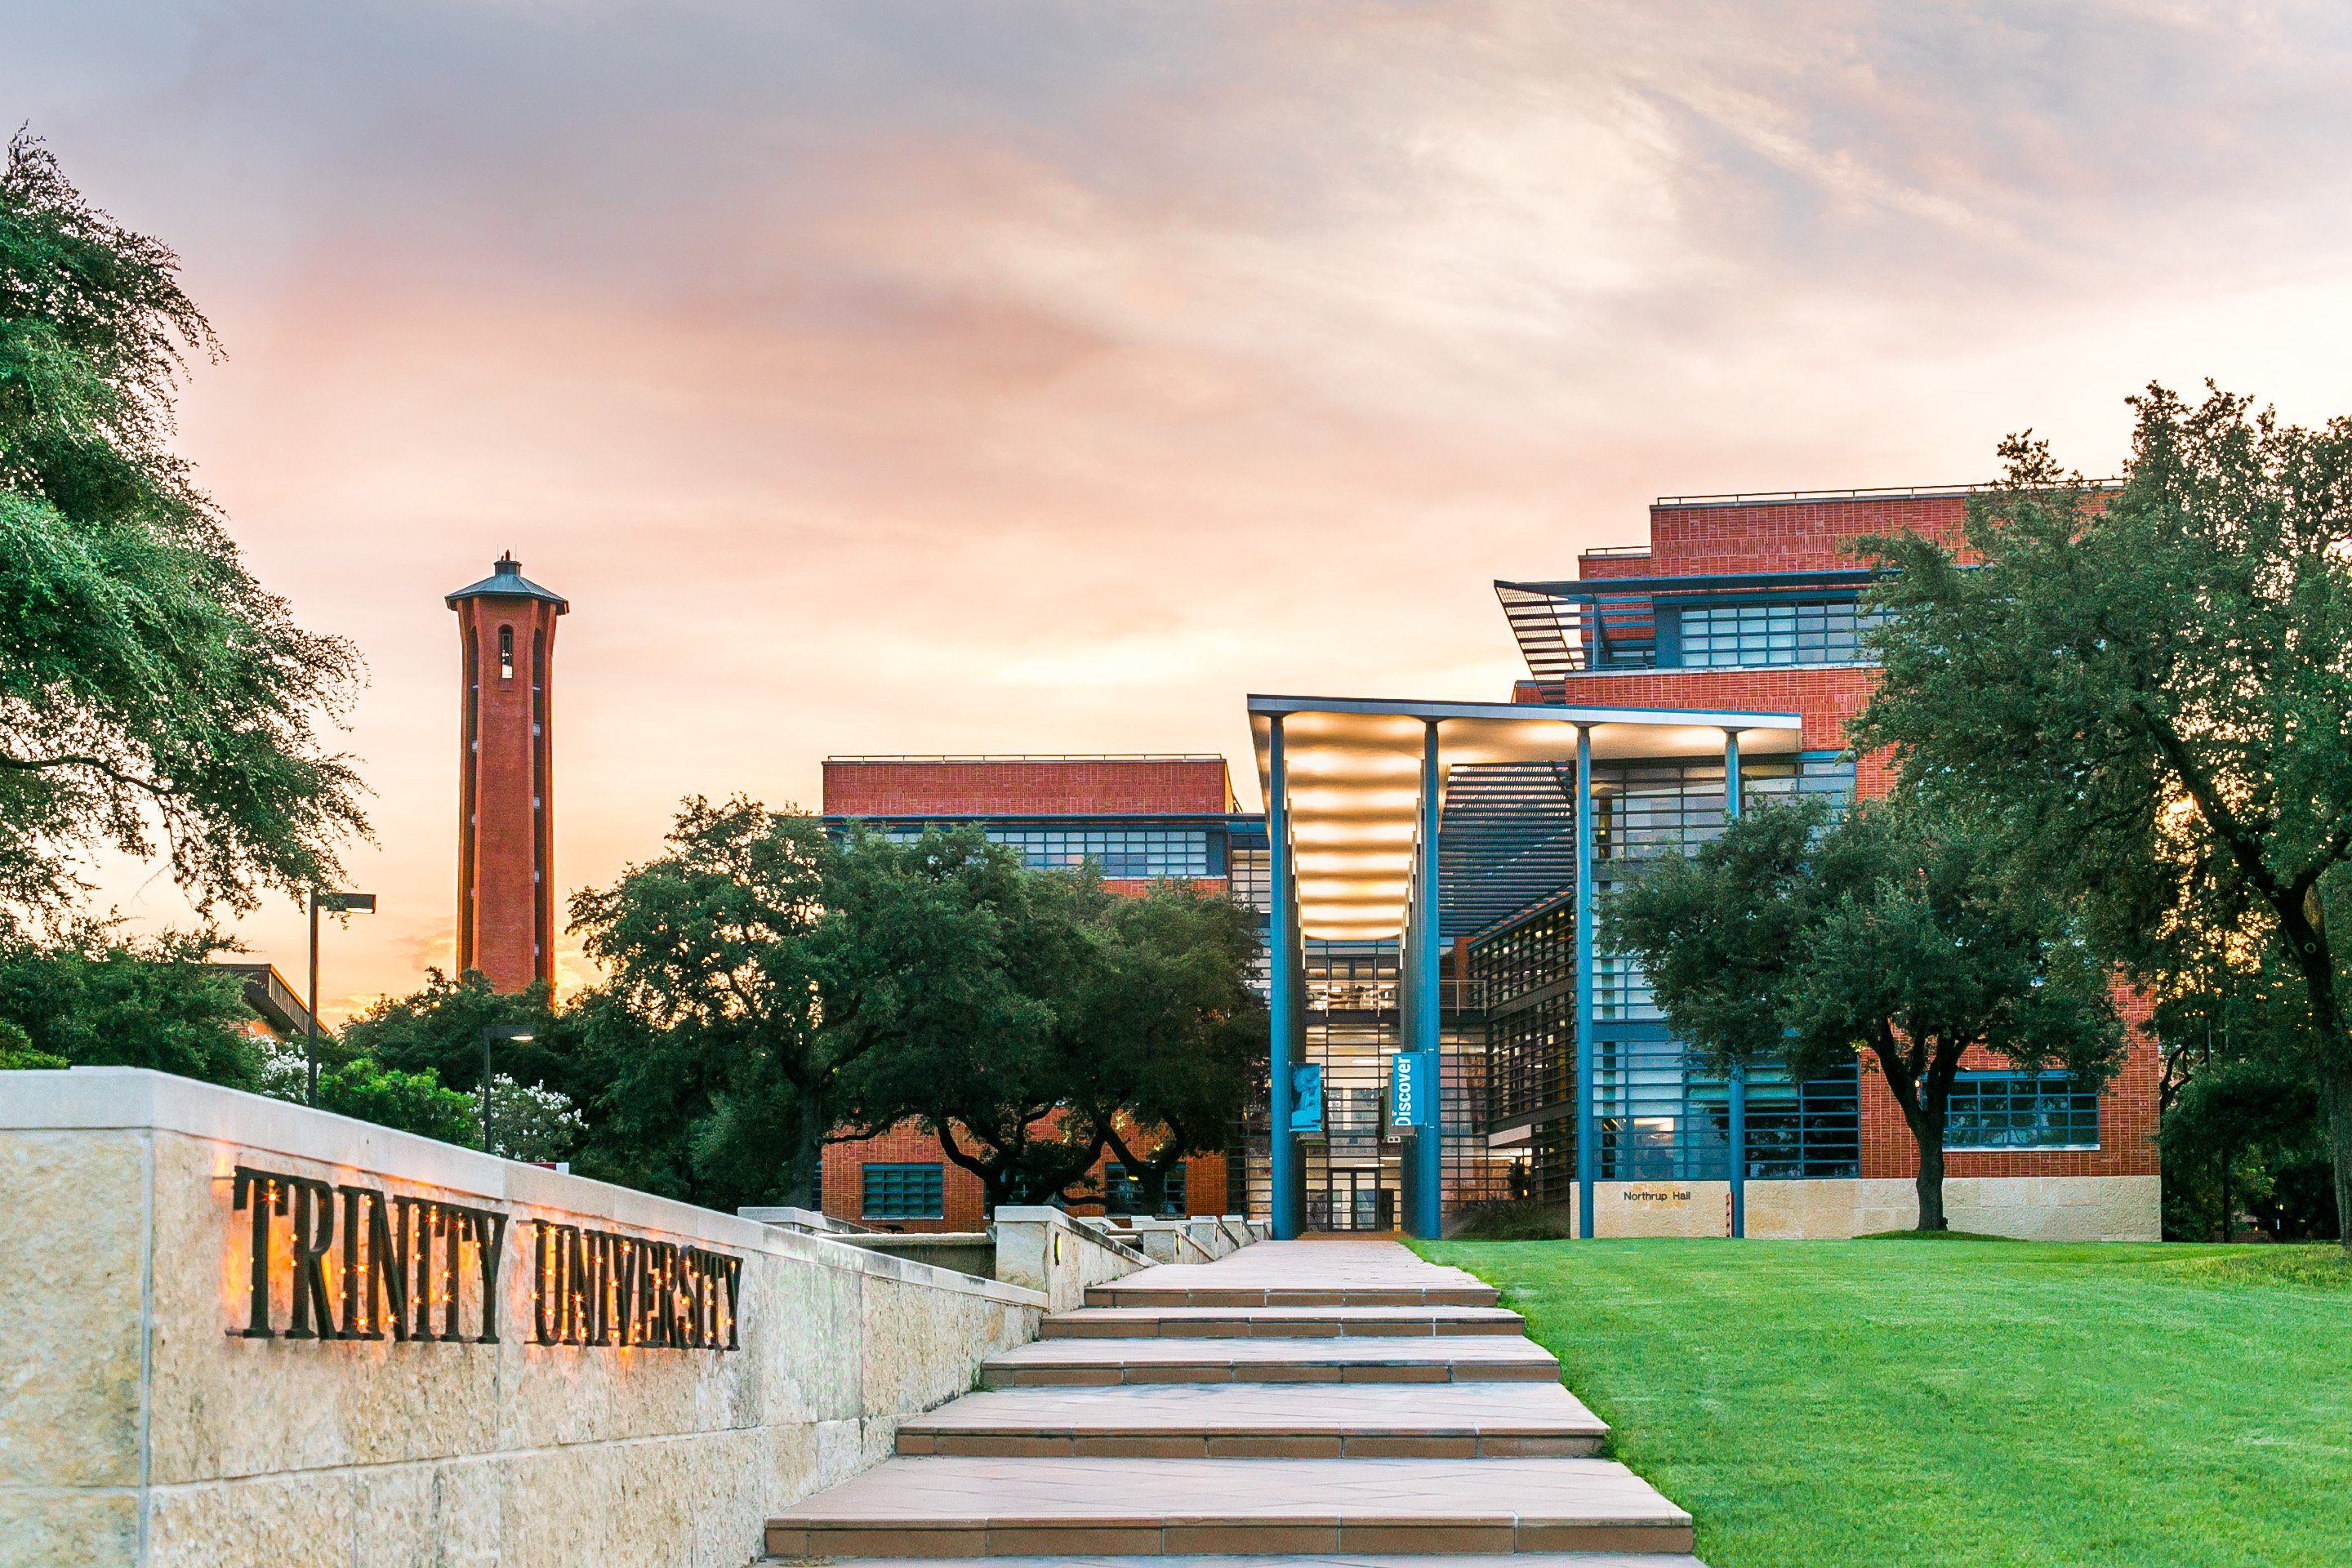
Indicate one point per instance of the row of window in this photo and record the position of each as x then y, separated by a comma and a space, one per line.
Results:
1749, 635
901, 1190
1139, 853
2020, 1110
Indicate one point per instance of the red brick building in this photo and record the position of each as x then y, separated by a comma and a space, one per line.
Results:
1141, 819
1740, 616
1751, 603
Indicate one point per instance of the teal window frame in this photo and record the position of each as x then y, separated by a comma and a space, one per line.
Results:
2008, 1110
898, 1190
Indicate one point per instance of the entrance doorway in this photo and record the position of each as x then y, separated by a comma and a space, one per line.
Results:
1359, 1202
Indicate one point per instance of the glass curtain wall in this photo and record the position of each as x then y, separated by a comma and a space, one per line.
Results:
1352, 1177
1657, 1118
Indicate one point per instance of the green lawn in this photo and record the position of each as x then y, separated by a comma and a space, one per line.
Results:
1837, 1405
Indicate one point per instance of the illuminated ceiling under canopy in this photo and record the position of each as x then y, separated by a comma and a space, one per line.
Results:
1354, 770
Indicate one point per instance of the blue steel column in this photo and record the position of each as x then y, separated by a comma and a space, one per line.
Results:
1281, 992
1408, 1000
1428, 1151
1739, 1072
1588, 1134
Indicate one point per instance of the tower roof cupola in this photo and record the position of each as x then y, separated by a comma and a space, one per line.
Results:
506, 581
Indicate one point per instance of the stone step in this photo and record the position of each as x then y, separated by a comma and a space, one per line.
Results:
1295, 1421
1351, 1560
1300, 1274
1125, 1293
1450, 1358
1278, 1323
970, 1507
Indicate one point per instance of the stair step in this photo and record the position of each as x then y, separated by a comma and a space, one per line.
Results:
1123, 1293
1295, 1421
1278, 1323
1352, 1559
1300, 1274
1455, 1358
948, 1506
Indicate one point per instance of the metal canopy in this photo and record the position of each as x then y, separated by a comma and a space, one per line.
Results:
1594, 623
1353, 771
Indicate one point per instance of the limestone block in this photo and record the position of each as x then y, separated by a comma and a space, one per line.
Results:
1660, 1208
2058, 1208
923, 1347
688, 1500
804, 1326
1828, 1208
260, 1519
72, 1261
2041, 1208
1040, 1249
43, 1530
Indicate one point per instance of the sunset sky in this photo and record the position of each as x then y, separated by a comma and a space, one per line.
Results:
1041, 378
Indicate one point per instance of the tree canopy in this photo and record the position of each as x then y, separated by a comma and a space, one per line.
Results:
2153, 686
715, 974
147, 681
773, 990
964, 978
96, 998
1171, 1037
1890, 932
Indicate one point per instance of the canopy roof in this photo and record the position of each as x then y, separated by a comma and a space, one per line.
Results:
1353, 767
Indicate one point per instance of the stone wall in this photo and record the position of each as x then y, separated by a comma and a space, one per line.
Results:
2034, 1208
1046, 1250
139, 1427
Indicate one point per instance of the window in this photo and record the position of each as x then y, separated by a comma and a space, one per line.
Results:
1746, 635
1249, 879
1124, 1194
904, 1192
2020, 1110
1127, 853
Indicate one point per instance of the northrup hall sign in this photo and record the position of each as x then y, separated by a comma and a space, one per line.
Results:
366, 1264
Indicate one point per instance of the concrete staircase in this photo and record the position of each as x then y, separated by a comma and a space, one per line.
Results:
1294, 1400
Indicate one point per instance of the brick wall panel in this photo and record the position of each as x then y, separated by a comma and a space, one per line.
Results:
1077, 786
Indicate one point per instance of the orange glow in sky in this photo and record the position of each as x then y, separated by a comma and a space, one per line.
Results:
1023, 378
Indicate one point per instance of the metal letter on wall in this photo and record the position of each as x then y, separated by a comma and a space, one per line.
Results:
596, 1289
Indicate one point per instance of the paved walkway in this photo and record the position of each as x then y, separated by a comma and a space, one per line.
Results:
1290, 1402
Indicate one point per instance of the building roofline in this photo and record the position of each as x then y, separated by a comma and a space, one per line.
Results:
1883, 492
1587, 587
1040, 757
272, 995
506, 581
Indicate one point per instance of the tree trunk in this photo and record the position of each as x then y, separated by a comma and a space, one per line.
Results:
1931, 1183
2336, 1109
808, 1159
1923, 1101
1935, 1100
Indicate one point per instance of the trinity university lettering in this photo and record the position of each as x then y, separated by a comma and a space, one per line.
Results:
398, 1266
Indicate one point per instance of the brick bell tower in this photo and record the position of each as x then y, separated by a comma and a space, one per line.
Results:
506, 842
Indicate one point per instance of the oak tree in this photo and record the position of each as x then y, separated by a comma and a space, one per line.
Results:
1793, 938
2154, 685
147, 681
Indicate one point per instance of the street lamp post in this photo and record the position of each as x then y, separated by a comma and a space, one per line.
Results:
340, 903
494, 1032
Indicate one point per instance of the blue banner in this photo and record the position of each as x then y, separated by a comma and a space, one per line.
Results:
1307, 1097
1410, 1081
